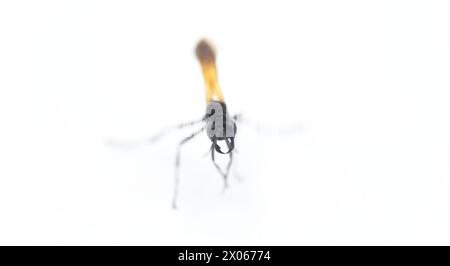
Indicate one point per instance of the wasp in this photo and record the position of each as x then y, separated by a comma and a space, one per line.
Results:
219, 125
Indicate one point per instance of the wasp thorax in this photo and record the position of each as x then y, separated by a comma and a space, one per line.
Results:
219, 124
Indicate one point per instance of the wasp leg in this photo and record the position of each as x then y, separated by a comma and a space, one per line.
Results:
167, 130
223, 174
287, 130
177, 165
228, 167
216, 165
132, 144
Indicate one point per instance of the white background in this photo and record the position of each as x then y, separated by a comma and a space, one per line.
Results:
367, 80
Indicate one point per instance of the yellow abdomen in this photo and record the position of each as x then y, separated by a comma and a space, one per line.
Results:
206, 55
